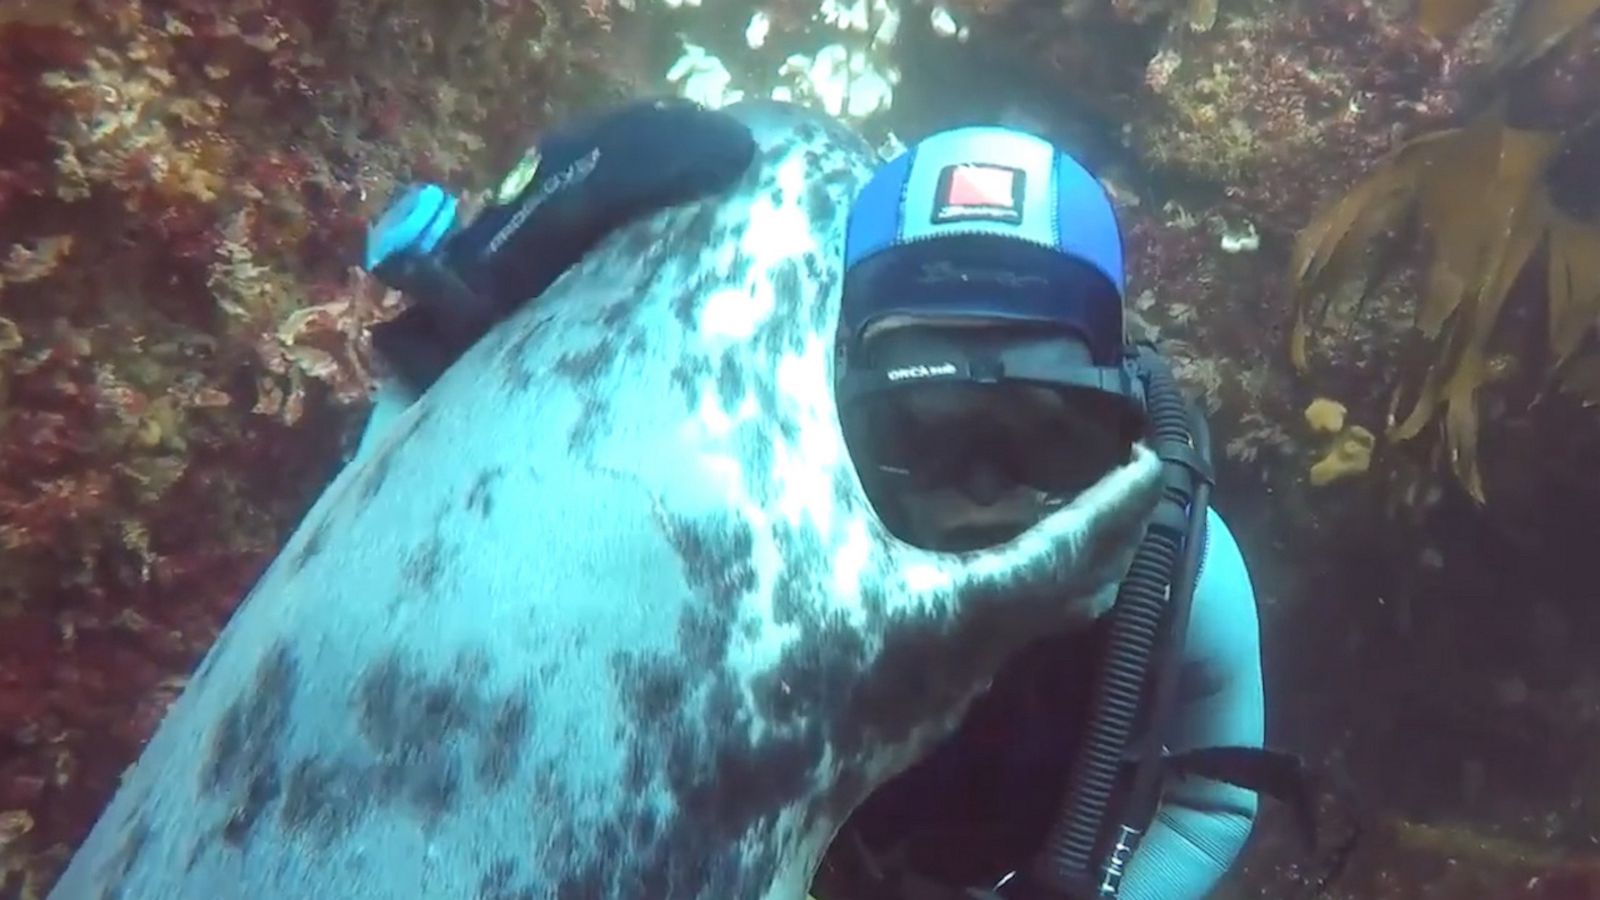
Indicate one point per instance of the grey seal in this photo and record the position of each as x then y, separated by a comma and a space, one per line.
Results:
605, 612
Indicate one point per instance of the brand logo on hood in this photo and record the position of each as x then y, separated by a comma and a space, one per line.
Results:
944, 272
979, 192
913, 373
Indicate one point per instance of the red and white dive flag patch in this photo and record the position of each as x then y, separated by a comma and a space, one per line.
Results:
979, 191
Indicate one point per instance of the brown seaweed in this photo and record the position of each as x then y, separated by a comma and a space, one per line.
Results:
1441, 18
1479, 196
1540, 25
1574, 277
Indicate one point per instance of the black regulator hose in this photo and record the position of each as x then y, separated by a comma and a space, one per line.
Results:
1074, 861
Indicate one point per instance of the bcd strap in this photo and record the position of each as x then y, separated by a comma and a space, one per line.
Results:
1284, 777
1188, 457
1273, 773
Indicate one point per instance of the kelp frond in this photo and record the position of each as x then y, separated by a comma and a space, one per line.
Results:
1540, 25
1537, 26
1489, 214
1202, 14
1445, 17
1479, 195
1332, 250
1483, 208
1475, 195
37, 12
1574, 283
1574, 303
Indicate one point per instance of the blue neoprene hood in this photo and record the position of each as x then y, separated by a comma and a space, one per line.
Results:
990, 223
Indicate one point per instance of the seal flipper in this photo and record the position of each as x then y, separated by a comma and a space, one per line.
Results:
1080, 550
986, 605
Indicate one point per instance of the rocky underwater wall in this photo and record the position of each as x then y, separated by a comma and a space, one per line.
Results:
184, 188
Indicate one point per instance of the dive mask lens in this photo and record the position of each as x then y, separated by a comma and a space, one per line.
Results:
922, 436
1065, 452
964, 436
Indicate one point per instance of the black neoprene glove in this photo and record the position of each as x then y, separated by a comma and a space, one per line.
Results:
592, 176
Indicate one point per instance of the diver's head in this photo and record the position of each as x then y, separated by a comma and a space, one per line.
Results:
982, 372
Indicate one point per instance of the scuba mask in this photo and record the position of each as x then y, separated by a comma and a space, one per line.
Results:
984, 428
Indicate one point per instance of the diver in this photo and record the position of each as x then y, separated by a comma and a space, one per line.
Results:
984, 378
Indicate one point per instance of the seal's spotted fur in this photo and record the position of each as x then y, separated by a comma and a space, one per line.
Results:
605, 613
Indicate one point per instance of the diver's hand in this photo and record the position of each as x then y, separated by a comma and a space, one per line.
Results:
590, 178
